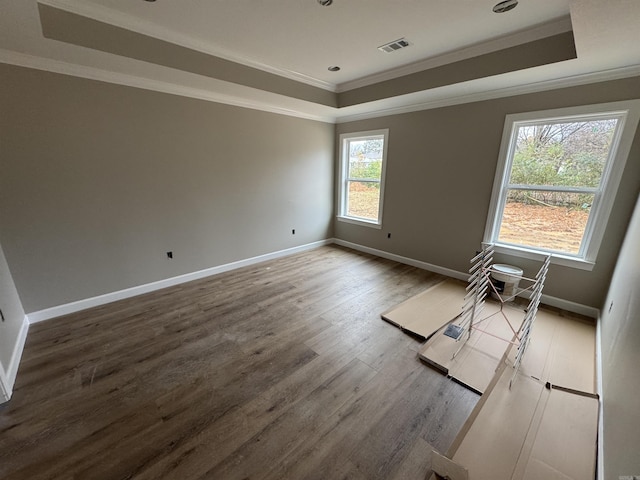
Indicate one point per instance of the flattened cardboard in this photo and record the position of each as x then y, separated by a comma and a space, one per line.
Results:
491, 448
561, 351
428, 311
563, 452
535, 431
476, 363
573, 365
447, 468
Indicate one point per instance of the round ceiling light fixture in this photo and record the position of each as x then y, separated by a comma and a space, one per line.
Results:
505, 6
334, 68
325, 3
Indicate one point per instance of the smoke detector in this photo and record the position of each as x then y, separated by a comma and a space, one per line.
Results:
393, 46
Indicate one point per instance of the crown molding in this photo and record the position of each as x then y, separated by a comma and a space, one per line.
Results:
453, 99
91, 73
538, 32
118, 19
65, 68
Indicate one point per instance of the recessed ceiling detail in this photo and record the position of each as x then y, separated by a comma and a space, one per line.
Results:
554, 49
72, 28
274, 56
300, 38
394, 46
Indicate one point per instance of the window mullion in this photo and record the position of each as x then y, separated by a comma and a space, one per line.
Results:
552, 188
363, 180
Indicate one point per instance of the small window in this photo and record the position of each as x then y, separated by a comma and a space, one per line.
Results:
557, 176
362, 168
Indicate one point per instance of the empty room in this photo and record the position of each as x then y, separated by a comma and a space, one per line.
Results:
319, 239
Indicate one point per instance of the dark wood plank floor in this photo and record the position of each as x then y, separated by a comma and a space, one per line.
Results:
282, 370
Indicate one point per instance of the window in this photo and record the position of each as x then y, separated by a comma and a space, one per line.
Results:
556, 180
362, 167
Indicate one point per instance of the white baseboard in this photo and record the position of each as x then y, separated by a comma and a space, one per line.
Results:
49, 313
400, 259
5, 391
8, 376
84, 304
569, 306
546, 299
12, 371
600, 392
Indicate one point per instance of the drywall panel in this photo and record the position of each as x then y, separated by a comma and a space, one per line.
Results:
440, 171
620, 325
99, 181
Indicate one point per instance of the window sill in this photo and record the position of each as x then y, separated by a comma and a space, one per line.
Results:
360, 221
540, 255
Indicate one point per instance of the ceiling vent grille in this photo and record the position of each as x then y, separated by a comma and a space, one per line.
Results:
393, 46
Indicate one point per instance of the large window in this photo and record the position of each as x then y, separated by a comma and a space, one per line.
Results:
362, 168
556, 180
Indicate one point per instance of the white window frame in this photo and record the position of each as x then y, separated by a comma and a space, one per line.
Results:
628, 113
344, 180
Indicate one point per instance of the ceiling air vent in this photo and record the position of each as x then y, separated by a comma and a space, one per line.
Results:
393, 46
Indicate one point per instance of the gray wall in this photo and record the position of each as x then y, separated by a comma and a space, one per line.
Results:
99, 181
440, 171
621, 360
13, 317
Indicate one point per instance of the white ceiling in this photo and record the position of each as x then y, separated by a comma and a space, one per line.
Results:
300, 39
304, 37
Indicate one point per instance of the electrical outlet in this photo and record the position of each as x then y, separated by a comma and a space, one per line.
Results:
169, 254
388, 235
293, 232
610, 307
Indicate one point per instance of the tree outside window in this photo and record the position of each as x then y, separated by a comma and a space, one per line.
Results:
556, 179
362, 166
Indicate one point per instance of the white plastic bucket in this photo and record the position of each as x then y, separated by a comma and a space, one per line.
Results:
505, 279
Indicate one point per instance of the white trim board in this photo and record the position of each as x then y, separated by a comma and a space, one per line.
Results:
407, 261
118, 78
521, 37
600, 392
116, 18
546, 299
65, 309
449, 100
57, 311
8, 376
414, 102
5, 391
